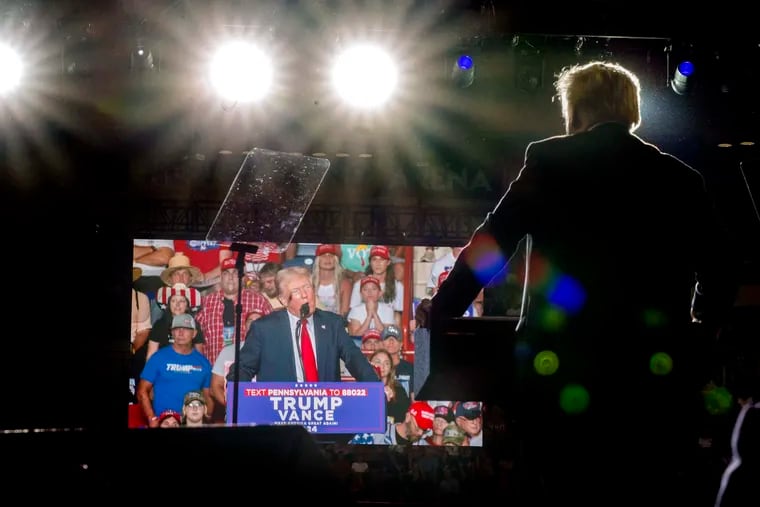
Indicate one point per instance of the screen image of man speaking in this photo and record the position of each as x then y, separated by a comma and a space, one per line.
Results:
302, 343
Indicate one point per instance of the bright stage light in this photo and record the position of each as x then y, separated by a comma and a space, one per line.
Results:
241, 72
365, 76
11, 69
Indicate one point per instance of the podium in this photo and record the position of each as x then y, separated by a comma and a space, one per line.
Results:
475, 358
471, 359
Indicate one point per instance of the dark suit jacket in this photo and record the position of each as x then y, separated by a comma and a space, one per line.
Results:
620, 231
614, 213
268, 353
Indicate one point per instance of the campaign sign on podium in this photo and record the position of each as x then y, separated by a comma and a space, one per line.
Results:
321, 407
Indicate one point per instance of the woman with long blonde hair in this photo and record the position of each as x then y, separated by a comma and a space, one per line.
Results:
333, 290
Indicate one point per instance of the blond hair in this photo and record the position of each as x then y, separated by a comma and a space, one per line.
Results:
284, 276
336, 283
599, 92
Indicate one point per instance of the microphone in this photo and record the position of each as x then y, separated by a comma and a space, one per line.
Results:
304, 310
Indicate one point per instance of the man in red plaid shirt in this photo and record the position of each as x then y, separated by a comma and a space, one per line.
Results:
217, 315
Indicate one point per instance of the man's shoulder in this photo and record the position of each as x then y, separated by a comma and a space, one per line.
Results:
681, 168
609, 131
198, 356
163, 353
602, 137
227, 353
564, 146
272, 318
549, 143
444, 259
211, 297
248, 292
254, 297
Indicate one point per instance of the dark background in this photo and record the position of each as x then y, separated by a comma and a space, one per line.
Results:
92, 158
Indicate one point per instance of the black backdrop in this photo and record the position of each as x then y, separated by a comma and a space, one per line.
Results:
69, 190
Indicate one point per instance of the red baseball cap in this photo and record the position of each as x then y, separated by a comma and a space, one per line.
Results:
369, 279
423, 414
169, 413
380, 251
371, 334
228, 263
327, 248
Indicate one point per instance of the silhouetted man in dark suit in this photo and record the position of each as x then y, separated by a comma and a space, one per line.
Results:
621, 234
273, 351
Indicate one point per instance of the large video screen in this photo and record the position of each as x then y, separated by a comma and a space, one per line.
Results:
193, 300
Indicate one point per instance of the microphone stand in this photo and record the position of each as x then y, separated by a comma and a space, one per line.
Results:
304, 314
239, 267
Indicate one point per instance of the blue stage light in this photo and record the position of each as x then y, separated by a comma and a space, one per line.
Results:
465, 62
682, 78
686, 68
463, 71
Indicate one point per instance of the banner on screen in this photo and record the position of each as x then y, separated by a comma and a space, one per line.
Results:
324, 407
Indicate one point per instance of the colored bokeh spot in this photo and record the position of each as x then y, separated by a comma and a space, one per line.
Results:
489, 265
718, 400
574, 399
552, 319
654, 318
485, 258
546, 362
661, 363
540, 272
567, 294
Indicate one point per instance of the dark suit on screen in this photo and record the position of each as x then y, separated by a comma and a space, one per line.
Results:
268, 354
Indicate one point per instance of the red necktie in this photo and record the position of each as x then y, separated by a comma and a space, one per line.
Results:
307, 354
